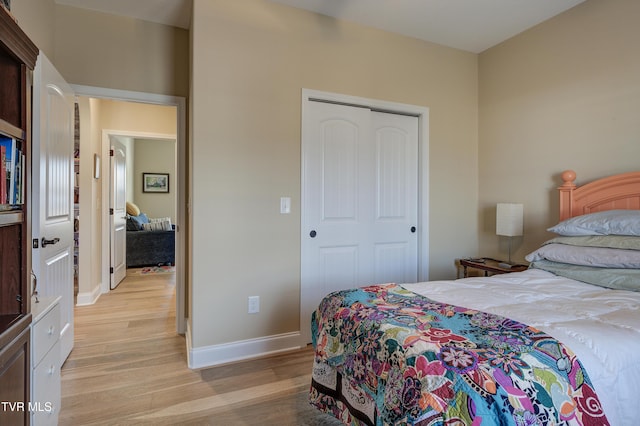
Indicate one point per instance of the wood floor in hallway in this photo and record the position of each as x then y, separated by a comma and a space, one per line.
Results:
128, 367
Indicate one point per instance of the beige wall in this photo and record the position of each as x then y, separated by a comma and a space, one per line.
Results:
564, 95
250, 61
138, 117
35, 19
90, 236
101, 50
96, 49
155, 156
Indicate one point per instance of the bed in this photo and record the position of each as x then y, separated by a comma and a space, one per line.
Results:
558, 343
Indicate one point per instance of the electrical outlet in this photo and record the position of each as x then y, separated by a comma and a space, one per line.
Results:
254, 304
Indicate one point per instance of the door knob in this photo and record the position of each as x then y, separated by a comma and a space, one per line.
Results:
413, 229
46, 242
313, 233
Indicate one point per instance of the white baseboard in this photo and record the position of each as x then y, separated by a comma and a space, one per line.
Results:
213, 355
89, 298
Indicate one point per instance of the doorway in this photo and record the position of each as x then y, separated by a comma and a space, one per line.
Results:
132, 155
364, 195
178, 185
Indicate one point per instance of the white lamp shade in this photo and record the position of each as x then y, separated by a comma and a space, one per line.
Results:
509, 219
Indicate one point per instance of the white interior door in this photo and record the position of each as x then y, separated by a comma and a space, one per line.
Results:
360, 192
52, 215
118, 212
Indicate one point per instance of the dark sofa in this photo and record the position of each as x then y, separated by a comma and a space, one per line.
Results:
149, 248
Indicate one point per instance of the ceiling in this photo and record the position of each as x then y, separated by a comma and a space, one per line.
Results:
471, 25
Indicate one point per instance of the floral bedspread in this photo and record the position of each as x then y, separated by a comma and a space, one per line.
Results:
384, 355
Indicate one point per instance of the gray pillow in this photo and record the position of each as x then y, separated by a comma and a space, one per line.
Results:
138, 221
610, 222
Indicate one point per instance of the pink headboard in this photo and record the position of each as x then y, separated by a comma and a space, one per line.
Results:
614, 192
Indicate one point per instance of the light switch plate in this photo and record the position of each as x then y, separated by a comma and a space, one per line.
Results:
254, 304
285, 205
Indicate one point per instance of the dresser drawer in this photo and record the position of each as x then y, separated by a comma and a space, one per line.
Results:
45, 403
45, 333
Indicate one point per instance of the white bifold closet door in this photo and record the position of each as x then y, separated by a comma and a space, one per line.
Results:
360, 195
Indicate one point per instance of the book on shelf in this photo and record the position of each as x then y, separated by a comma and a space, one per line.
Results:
9, 145
11, 171
3, 174
18, 186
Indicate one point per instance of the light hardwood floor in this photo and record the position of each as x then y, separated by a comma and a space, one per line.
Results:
128, 367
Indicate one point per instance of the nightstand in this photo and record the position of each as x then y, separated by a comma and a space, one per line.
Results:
489, 266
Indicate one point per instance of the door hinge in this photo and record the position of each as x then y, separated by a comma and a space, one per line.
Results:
111, 212
110, 153
111, 270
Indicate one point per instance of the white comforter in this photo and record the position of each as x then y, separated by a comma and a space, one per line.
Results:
601, 326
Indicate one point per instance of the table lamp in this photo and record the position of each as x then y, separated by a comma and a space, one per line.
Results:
509, 223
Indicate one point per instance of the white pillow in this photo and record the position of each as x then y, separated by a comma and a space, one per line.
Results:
610, 222
163, 224
160, 219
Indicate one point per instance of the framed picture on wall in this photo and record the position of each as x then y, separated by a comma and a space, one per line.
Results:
155, 182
